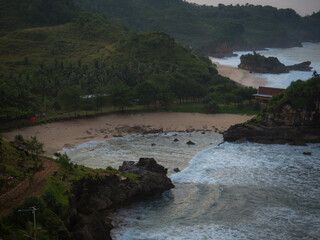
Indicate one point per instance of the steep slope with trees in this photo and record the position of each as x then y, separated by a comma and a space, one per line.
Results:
292, 116
212, 30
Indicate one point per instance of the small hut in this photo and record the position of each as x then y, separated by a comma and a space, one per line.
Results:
265, 94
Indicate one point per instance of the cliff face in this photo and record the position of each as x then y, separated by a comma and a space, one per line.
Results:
95, 198
286, 126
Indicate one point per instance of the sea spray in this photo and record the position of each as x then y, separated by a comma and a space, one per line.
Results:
234, 191
163, 147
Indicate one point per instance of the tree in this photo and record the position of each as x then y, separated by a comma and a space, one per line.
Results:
212, 106
102, 95
34, 147
69, 98
146, 93
121, 96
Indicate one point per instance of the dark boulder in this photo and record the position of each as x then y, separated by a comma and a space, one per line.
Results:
190, 143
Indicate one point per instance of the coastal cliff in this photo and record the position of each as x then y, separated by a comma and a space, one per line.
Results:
95, 198
261, 64
291, 117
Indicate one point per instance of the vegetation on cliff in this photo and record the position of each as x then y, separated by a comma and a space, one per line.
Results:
57, 200
71, 201
298, 104
292, 116
212, 30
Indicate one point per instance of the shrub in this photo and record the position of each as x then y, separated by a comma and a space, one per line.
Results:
65, 161
52, 203
256, 106
19, 138
212, 107
20, 216
206, 99
53, 224
34, 146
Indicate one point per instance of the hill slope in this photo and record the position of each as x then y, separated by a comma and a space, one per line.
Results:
212, 30
88, 55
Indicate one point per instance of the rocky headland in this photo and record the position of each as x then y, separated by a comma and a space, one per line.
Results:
288, 125
261, 64
292, 117
275, 134
94, 199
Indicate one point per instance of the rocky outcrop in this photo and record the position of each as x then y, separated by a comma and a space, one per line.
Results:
261, 64
95, 198
286, 126
273, 134
304, 66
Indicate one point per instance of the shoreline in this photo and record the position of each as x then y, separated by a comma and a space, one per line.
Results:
243, 77
58, 135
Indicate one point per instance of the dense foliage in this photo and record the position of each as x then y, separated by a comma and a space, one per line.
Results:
16, 14
302, 96
89, 62
212, 29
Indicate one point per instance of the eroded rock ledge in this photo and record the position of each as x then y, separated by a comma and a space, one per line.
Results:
296, 135
95, 198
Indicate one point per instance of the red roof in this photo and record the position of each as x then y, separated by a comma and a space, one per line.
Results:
269, 91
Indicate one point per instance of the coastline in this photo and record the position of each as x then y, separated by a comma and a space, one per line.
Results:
241, 76
58, 135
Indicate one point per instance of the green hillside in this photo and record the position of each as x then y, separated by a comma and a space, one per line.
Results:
48, 66
212, 30
17, 14
27, 48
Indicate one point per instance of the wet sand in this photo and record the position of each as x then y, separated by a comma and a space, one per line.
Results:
58, 135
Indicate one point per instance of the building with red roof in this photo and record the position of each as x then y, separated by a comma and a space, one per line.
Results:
265, 94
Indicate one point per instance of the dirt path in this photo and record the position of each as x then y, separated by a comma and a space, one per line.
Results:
27, 188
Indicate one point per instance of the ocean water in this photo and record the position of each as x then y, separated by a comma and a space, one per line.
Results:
234, 191
288, 56
225, 191
112, 152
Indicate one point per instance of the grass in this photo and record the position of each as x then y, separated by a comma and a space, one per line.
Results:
14, 163
245, 109
234, 109
43, 44
190, 107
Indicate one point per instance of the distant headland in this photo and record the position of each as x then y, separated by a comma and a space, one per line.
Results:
260, 64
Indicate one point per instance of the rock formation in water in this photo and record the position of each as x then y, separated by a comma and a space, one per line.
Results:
94, 199
261, 64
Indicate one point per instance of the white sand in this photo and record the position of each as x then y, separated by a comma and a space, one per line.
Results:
241, 76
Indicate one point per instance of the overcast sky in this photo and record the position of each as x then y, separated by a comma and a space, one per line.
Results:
302, 7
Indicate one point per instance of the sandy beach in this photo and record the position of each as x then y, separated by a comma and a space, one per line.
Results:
58, 135
241, 76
